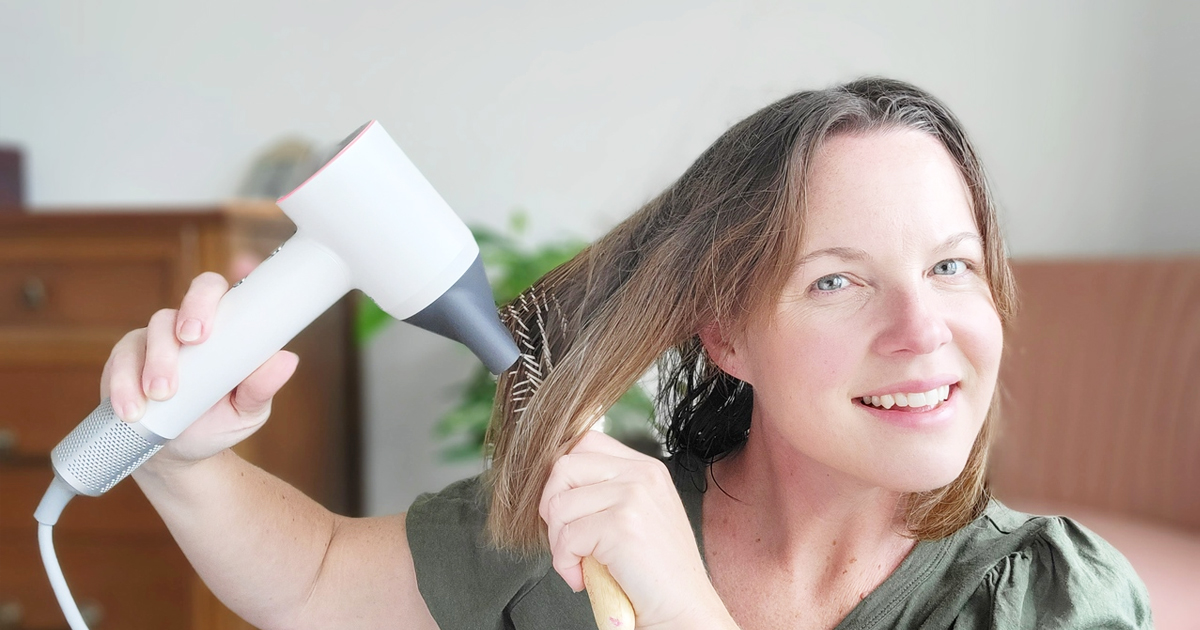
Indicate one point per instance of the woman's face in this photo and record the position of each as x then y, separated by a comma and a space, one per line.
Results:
887, 299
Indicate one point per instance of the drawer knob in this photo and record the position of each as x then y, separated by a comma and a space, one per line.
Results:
34, 292
10, 614
8, 447
92, 612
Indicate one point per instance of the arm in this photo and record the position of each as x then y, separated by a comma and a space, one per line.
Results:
349, 588
271, 554
276, 557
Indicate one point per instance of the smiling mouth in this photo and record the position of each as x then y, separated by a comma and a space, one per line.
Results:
909, 402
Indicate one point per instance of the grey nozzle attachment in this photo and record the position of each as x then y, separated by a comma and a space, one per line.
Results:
467, 314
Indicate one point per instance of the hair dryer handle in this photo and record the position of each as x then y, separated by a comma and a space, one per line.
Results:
253, 321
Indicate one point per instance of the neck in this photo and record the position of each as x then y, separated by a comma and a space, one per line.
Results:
813, 522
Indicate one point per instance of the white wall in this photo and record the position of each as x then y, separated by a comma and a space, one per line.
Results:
1172, 217
579, 112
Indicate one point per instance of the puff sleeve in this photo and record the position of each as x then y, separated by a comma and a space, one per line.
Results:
1065, 577
468, 584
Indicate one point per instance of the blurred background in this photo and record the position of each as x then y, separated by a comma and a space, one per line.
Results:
576, 113
579, 112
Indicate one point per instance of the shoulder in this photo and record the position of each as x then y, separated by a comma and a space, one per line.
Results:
468, 583
1048, 572
466, 499
451, 554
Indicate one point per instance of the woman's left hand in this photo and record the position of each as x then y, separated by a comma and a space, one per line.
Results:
621, 507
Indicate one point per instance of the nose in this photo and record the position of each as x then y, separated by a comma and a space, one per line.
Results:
915, 323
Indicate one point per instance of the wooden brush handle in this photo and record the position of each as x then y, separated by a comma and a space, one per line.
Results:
609, 603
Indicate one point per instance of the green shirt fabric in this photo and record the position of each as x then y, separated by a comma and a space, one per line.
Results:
1004, 570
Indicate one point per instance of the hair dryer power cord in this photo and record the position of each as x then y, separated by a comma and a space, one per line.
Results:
56, 498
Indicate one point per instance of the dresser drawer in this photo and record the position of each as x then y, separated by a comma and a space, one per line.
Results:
126, 583
96, 291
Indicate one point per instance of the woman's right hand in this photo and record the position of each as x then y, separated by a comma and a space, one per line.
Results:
143, 366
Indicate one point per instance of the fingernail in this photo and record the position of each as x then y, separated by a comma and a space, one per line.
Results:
190, 330
133, 412
159, 388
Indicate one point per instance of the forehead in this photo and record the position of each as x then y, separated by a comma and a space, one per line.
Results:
884, 188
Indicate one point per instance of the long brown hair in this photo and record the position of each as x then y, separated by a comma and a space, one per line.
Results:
717, 245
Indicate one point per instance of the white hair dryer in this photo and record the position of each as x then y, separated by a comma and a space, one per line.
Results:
366, 219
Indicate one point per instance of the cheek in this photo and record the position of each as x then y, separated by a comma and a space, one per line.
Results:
810, 359
980, 336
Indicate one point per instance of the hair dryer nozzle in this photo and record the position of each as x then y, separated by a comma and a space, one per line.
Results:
466, 313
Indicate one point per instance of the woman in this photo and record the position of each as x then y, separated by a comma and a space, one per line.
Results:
827, 287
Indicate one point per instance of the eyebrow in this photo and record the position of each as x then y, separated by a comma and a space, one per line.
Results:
855, 254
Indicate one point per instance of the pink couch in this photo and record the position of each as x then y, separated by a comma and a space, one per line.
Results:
1098, 422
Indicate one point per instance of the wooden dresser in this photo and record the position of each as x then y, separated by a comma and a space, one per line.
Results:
71, 284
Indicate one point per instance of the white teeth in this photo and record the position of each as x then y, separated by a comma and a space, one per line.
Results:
932, 397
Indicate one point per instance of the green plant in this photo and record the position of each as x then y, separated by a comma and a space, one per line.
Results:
512, 267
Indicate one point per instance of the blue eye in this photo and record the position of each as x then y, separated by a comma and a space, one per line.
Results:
951, 267
831, 283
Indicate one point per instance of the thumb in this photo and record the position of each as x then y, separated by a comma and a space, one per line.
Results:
254, 394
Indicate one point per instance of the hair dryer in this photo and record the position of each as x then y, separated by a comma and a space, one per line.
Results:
366, 219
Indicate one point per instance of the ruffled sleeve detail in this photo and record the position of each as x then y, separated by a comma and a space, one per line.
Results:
468, 584
1065, 576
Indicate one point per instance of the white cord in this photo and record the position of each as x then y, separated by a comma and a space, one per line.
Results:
55, 499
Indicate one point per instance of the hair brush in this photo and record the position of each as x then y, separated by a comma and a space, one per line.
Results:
532, 317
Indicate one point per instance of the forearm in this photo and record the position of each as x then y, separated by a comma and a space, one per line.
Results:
257, 542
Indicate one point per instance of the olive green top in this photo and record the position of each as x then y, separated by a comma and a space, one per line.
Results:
1004, 570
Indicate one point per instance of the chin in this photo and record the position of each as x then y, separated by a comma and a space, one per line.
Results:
921, 472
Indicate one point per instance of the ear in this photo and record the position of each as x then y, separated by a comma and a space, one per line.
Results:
725, 349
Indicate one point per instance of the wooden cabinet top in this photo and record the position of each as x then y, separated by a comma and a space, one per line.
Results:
233, 215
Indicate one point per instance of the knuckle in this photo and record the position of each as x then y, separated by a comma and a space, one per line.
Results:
122, 392
561, 464
561, 543
161, 321
122, 356
585, 443
627, 520
163, 315
554, 505
653, 471
563, 561
132, 337
660, 472
640, 492
210, 280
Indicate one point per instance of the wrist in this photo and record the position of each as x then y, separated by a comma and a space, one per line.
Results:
164, 470
709, 613
710, 618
